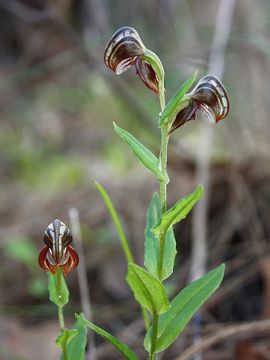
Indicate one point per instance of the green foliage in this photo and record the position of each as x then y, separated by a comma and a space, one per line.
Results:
172, 108
58, 290
76, 345
152, 244
64, 339
143, 154
183, 307
178, 212
34, 167
21, 249
116, 221
122, 348
147, 289
37, 287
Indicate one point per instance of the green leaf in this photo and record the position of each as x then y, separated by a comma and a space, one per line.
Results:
115, 218
122, 348
65, 337
152, 245
183, 307
143, 154
173, 105
147, 289
178, 212
58, 291
76, 345
21, 249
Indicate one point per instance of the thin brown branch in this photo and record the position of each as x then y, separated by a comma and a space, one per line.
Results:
236, 331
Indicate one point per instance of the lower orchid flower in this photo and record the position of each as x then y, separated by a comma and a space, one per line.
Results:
58, 254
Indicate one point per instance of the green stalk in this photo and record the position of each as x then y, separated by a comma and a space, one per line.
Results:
58, 276
163, 199
163, 149
163, 166
60, 308
152, 354
61, 317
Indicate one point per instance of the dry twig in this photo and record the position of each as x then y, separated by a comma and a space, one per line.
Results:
237, 331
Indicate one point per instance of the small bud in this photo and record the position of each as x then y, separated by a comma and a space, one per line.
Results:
124, 49
209, 98
58, 253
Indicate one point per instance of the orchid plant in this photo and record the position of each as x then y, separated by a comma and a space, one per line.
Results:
164, 319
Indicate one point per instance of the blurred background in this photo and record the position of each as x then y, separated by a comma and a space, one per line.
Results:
58, 102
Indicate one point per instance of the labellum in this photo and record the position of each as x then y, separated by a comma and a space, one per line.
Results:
147, 74
209, 98
58, 253
124, 49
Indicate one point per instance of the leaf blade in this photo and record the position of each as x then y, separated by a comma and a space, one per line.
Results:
178, 212
64, 339
149, 160
115, 219
183, 307
173, 104
122, 348
76, 347
152, 245
147, 289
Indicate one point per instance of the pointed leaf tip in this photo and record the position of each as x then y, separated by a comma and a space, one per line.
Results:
200, 191
149, 160
172, 107
178, 212
152, 244
183, 307
147, 289
121, 347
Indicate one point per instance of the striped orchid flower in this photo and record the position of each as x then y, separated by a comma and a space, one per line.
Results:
58, 253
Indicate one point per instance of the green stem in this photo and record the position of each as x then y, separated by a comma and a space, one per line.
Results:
61, 317
152, 355
60, 310
58, 277
163, 149
163, 166
64, 352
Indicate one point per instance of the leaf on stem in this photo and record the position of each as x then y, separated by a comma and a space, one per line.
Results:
115, 218
178, 212
147, 289
76, 345
173, 105
143, 154
58, 291
122, 348
64, 338
183, 307
152, 244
